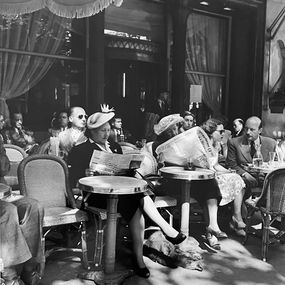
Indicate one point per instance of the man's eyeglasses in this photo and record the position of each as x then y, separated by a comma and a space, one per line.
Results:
82, 116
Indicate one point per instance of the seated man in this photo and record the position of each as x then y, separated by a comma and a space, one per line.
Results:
242, 149
59, 123
238, 127
75, 134
118, 134
18, 135
20, 241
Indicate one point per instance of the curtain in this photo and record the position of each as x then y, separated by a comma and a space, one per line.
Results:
206, 52
40, 32
63, 8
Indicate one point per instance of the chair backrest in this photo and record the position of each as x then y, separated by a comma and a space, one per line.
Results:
45, 178
127, 146
15, 155
14, 152
274, 191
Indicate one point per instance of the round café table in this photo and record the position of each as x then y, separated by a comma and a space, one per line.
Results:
113, 187
265, 168
186, 176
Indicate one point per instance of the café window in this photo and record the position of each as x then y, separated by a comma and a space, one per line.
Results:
42, 65
206, 59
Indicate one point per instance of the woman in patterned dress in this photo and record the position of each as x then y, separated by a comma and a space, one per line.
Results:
231, 184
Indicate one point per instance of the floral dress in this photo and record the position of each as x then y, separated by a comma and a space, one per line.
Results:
230, 184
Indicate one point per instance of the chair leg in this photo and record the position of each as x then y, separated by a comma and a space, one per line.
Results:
84, 245
282, 228
42, 264
99, 241
265, 236
248, 218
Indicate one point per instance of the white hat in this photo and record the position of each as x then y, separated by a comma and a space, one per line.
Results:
98, 119
167, 122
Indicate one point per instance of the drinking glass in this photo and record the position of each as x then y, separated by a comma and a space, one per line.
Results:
189, 164
143, 142
272, 156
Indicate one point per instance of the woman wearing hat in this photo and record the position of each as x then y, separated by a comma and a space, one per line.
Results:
130, 207
206, 192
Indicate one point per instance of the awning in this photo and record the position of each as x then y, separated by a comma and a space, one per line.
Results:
63, 8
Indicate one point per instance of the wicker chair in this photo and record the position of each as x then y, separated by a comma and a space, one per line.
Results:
15, 155
272, 207
45, 178
127, 146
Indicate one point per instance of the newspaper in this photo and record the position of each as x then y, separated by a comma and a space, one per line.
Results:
193, 144
112, 163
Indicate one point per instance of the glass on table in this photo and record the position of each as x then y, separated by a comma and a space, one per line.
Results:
189, 164
143, 142
89, 172
272, 157
257, 162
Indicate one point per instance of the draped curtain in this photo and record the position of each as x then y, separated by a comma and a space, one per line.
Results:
40, 32
63, 8
206, 52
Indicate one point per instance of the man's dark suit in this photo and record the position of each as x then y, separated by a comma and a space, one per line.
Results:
239, 152
161, 110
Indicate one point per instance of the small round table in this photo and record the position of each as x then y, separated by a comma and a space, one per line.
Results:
113, 187
265, 168
179, 173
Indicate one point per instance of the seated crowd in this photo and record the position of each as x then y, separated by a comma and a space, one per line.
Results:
78, 135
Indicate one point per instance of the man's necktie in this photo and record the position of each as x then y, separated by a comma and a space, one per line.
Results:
252, 149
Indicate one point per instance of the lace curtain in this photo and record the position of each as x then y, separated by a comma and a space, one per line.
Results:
40, 32
206, 51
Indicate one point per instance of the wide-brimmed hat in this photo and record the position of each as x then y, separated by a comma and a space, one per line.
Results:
98, 119
166, 123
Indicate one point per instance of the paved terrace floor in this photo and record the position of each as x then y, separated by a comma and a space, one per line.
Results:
234, 264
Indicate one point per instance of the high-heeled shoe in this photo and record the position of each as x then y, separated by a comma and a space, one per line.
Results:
213, 241
238, 224
238, 231
217, 234
178, 239
142, 272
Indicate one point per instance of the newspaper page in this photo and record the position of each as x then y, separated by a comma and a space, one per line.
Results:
114, 163
194, 144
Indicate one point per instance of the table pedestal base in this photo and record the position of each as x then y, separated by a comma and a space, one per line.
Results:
102, 278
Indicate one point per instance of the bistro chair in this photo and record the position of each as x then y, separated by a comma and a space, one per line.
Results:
126, 146
15, 155
45, 178
271, 205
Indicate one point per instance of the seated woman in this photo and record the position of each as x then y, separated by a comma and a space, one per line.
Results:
206, 192
131, 207
231, 184
189, 121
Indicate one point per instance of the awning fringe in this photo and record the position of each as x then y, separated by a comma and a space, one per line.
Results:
80, 11
14, 9
62, 10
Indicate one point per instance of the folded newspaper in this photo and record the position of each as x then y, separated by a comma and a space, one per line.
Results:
107, 163
193, 144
